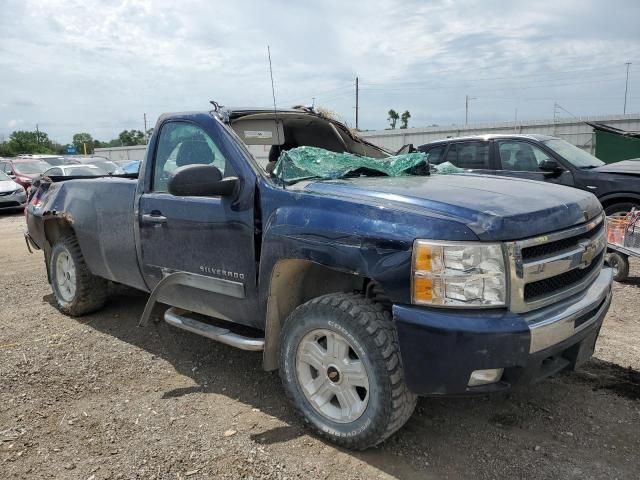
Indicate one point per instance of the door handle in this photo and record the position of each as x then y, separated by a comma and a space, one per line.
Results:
156, 219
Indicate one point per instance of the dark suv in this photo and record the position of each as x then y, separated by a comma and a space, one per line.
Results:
546, 158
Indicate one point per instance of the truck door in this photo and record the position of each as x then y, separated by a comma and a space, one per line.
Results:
211, 238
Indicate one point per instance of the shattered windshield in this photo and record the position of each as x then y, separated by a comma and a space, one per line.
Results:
312, 162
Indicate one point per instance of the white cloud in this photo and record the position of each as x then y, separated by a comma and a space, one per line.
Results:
97, 66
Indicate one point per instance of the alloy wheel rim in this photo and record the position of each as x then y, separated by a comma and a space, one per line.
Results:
65, 276
332, 377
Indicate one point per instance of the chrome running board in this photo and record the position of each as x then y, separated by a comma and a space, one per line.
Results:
176, 317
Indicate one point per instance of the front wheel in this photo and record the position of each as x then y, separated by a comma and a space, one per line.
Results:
77, 291
619, 208
340, 366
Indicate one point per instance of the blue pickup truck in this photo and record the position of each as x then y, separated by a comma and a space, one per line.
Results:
365, 291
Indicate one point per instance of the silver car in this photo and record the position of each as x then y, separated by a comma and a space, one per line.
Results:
12, 194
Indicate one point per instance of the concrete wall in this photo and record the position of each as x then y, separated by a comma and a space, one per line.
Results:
573, 130
122, 153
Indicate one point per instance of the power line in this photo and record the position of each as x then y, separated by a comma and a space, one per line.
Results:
315, 94
404, 85
581, 71
481, 89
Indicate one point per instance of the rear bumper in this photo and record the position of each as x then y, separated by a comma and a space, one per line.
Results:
441, 348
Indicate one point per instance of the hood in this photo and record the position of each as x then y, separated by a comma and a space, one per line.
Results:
494, 208
28, 175
627, 167
9, 186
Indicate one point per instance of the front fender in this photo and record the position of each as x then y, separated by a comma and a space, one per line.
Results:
374, 243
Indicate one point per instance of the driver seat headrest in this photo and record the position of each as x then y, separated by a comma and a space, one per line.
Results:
194, 152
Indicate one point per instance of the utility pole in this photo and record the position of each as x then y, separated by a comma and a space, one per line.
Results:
357, 105
467, 98
626, 88
37, 135
145, 128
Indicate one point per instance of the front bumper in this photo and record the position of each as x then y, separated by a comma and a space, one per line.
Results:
13, 201
441, 348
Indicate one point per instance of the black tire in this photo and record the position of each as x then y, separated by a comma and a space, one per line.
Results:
620, 208
620, 265
368, 328
90, 292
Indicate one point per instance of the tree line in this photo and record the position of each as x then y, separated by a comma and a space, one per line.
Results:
24, 142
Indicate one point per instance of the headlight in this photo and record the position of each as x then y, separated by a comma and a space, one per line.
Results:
458, 274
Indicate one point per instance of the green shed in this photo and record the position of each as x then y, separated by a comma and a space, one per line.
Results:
613, 144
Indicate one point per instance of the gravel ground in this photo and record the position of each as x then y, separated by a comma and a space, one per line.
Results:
97, 398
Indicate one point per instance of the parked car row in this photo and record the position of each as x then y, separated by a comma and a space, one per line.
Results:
544, 158
17, 174
12, 194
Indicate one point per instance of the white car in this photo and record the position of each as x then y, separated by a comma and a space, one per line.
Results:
76, 170
12, 194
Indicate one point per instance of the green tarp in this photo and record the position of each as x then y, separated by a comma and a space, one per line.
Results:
311, 162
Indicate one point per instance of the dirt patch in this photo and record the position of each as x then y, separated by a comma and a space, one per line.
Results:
98, 397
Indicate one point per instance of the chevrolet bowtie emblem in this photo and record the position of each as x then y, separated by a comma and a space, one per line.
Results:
590, 249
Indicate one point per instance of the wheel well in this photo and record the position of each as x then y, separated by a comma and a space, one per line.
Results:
294, 282
612, 201
54, 228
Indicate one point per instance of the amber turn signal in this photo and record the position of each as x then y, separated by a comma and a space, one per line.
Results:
423, 257
423, 289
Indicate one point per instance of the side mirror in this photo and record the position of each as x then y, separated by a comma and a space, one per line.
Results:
550, 166
200, 181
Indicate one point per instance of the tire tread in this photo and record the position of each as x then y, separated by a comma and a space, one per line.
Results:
378, 325
91, 291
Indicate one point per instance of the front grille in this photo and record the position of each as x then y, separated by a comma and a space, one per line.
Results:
559, 245
551, 285
9, 204
549, 268
3, 194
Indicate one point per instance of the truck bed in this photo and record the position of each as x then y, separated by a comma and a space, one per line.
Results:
101, 211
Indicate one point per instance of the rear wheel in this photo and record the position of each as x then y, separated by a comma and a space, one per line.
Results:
77, 291
340, 366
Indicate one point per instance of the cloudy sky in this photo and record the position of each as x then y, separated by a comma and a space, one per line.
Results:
98, 66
